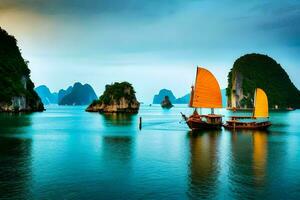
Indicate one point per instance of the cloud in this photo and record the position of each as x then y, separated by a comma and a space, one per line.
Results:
281, 20
162, 26
148, 8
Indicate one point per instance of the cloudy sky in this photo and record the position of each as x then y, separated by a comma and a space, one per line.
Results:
153, 44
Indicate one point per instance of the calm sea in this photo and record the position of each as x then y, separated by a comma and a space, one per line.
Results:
66, 153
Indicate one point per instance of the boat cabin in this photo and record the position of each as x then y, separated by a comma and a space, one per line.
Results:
210, 118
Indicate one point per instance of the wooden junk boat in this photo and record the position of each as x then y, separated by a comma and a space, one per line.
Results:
205, 94
260, 111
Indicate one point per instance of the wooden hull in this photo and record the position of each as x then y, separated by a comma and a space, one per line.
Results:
196, 125
203, 122
248, 125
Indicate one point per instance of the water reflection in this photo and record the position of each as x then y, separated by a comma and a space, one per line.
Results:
116, 166
258, 150
118, 119
117, 148
119, 124
259, 156
248, 164
11, 123
203, 165
15, 157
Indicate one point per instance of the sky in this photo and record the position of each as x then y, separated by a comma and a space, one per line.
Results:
152, 44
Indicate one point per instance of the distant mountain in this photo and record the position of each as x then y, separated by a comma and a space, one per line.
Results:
158, 98
63, 93
181, 100
46, 96
79, 95
184, 100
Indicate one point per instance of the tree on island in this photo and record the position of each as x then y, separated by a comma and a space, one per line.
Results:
117, 98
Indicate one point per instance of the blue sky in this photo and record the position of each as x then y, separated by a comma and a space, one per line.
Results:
152, 44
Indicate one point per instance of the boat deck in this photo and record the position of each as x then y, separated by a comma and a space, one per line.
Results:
234, 124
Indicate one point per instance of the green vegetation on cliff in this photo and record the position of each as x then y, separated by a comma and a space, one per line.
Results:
117, 97
15, 76
116, 91
261, 71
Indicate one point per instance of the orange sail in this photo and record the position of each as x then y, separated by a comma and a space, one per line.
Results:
261, 108
207, 93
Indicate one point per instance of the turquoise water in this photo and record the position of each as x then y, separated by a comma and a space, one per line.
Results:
66, 153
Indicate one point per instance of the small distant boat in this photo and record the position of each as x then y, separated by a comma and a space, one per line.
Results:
261, 110
205, 94
290, 109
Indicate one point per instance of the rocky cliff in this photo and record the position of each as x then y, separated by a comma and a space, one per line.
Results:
260, 71
16, 89
117, 98
166, 103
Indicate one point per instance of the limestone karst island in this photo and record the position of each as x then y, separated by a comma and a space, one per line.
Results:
16, 88
149, 99
117, 98
256, 70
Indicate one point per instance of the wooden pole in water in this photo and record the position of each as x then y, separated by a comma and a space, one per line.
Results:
140, 123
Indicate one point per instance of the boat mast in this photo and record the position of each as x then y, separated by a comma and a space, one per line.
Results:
253, 112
